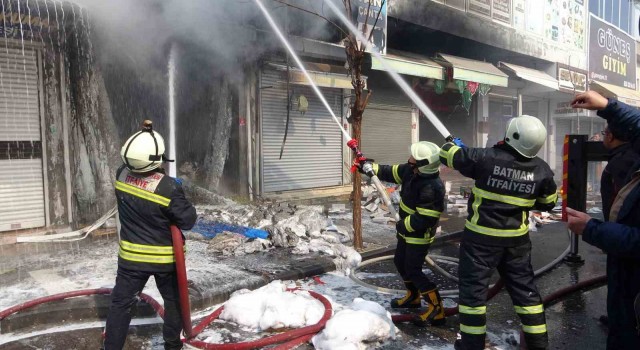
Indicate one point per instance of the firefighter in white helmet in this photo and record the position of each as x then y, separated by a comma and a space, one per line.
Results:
421, 203
148, 203
509, 181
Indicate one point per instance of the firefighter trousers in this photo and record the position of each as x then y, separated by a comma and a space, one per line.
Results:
477, 264
129, 285
409, 259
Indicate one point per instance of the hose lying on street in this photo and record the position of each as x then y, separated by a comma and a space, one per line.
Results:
64, 237
285, 340
493, 290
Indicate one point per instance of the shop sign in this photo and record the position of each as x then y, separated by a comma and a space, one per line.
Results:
502, 11
572, 80
10, 23
612, 55
499, 10
366, 11
564, 108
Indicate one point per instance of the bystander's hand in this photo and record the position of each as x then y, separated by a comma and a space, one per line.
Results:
577, 220
589, 100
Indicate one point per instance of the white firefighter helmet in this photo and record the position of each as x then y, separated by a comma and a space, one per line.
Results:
427, 156
526, 134
144, 150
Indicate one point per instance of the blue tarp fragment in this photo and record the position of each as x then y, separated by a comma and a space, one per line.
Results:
211, 229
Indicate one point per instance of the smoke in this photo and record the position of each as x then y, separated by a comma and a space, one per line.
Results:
231, 32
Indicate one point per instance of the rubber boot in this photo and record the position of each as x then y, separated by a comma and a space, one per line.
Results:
434, 315
410, 300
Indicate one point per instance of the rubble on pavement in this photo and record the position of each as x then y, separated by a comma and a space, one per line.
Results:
305, 229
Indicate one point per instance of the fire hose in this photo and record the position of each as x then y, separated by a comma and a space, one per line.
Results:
290, 338
286, 340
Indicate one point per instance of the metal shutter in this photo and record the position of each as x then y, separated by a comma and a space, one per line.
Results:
21, 173
312, 156
386, 124
386, 133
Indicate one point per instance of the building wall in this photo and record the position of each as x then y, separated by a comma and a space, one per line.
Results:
525, 31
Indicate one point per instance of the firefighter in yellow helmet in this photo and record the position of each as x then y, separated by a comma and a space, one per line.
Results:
422, 202
148, 203
509, 181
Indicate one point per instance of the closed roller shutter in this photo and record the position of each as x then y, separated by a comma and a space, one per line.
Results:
312, 156
386, 133
386, 124
21, 173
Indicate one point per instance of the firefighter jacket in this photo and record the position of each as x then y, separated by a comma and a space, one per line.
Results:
148, 203
421, 201
507, 185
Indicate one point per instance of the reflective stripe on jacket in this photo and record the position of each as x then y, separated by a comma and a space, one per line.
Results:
421, 202
148, 203
506, 187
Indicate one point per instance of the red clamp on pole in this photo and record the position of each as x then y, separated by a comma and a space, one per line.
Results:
353, 144
360, 158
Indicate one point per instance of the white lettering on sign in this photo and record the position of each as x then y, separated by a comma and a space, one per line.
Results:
615, 44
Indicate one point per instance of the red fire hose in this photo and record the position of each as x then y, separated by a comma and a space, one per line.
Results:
287, 340
561, 293
183, 287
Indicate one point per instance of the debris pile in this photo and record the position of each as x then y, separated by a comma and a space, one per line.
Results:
539, 218
375, 207
304, 228
456, 202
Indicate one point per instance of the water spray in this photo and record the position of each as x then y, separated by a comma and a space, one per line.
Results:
352, 143
172, 109
396, 77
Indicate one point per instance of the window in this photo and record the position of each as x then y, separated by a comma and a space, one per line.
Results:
626, 13
617, 12
594, 7
608, 11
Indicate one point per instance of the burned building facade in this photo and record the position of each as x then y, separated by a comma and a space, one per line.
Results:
240, 116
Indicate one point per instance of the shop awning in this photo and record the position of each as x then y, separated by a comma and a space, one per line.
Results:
532, 75
477, 71
409, 64
323, 75
628, 96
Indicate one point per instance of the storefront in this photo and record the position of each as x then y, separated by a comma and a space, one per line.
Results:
390, 122
312, 155
463, 99
529, 92
22, 174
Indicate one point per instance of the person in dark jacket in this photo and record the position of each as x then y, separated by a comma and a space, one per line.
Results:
509, 181
421, 204
621, 160
620, 237
148, 203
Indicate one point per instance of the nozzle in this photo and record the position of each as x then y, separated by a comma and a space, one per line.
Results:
353, 144
449, 138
